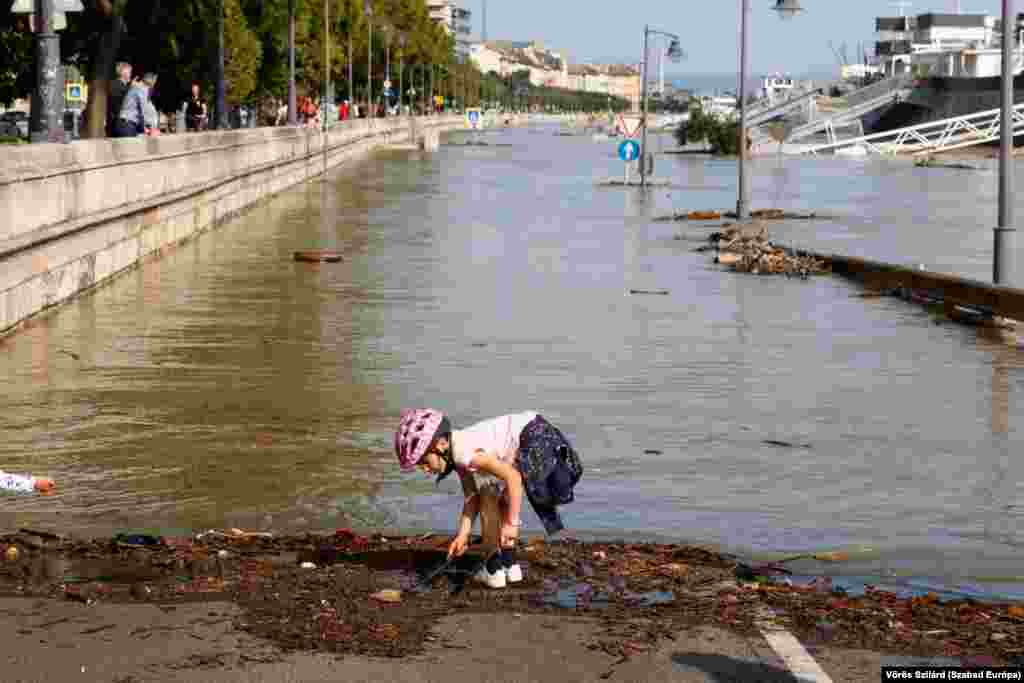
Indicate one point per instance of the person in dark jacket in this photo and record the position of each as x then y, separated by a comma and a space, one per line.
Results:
137, 116
118, 89
195, 113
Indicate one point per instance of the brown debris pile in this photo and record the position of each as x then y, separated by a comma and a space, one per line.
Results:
747, 249
348, 593
757, 214
983, 634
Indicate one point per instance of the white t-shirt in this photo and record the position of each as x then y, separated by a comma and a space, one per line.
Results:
498, 437
16, 482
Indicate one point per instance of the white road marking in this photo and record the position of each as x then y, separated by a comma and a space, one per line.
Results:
799, 661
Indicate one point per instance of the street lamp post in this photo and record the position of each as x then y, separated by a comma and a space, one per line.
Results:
326, 99
368, 9
292, 117
786, 9
1005, 237
220, 90
386, 30
401, 70
674, 53
46, 121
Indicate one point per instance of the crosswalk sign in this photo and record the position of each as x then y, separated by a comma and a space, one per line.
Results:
474, 120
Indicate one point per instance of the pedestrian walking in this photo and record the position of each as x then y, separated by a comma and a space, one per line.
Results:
137, 114
195, 111
118, 89
497, 460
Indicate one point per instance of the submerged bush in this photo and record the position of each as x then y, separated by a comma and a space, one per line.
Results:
720, 134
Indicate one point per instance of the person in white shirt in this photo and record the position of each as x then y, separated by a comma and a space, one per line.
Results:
497, 461
19, 483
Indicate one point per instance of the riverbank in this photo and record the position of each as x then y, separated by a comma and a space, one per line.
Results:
254, 600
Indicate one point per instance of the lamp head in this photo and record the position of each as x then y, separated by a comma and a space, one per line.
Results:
675, 52
787, 9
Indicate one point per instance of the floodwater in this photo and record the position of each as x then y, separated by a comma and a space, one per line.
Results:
226, 385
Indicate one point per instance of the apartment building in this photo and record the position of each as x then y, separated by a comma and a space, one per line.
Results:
550, 68
455, 20
964, 45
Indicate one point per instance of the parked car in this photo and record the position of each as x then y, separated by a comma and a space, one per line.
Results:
18, 119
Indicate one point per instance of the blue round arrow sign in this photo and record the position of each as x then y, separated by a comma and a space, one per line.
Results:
629, 150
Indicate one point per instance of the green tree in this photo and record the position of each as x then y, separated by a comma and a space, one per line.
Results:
16, 59
243, 55
722, 135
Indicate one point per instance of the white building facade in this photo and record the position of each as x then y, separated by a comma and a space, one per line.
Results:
549, 68
946, 45
455, 20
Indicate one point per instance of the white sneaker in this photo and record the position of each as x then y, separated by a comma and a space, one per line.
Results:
514, 574
495, 580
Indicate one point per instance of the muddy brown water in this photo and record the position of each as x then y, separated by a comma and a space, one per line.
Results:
226, 384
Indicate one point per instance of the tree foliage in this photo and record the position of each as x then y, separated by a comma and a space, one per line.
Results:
243, 55
178, 40
721, 134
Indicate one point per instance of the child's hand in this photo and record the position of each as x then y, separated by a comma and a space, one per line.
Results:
509, 535
458, 546
44, 485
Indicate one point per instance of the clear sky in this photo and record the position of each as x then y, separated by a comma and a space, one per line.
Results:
613, 29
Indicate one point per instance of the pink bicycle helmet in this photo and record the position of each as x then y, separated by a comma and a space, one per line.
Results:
416, 430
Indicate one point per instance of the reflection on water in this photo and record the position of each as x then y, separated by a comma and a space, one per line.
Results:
227, 385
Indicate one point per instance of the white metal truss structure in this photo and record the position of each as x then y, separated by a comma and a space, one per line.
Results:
929, 138
762, 112
861, 102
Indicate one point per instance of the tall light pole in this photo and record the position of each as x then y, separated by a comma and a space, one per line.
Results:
1003, 257
386, 30
325, 100
292, 117
401, 70
46, 120
786, 9
368, 8
222, 114
675, 53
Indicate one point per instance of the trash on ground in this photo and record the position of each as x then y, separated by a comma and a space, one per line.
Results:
641, 593
656, 292
388, 595
143, 540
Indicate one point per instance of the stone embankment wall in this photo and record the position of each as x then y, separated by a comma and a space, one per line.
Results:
72, 216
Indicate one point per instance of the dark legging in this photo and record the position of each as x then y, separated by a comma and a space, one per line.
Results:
127, 129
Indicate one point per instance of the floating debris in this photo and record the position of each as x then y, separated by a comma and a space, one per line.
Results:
760, 214
316, 256
931, 162
634, 183
747, 249
785, 444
